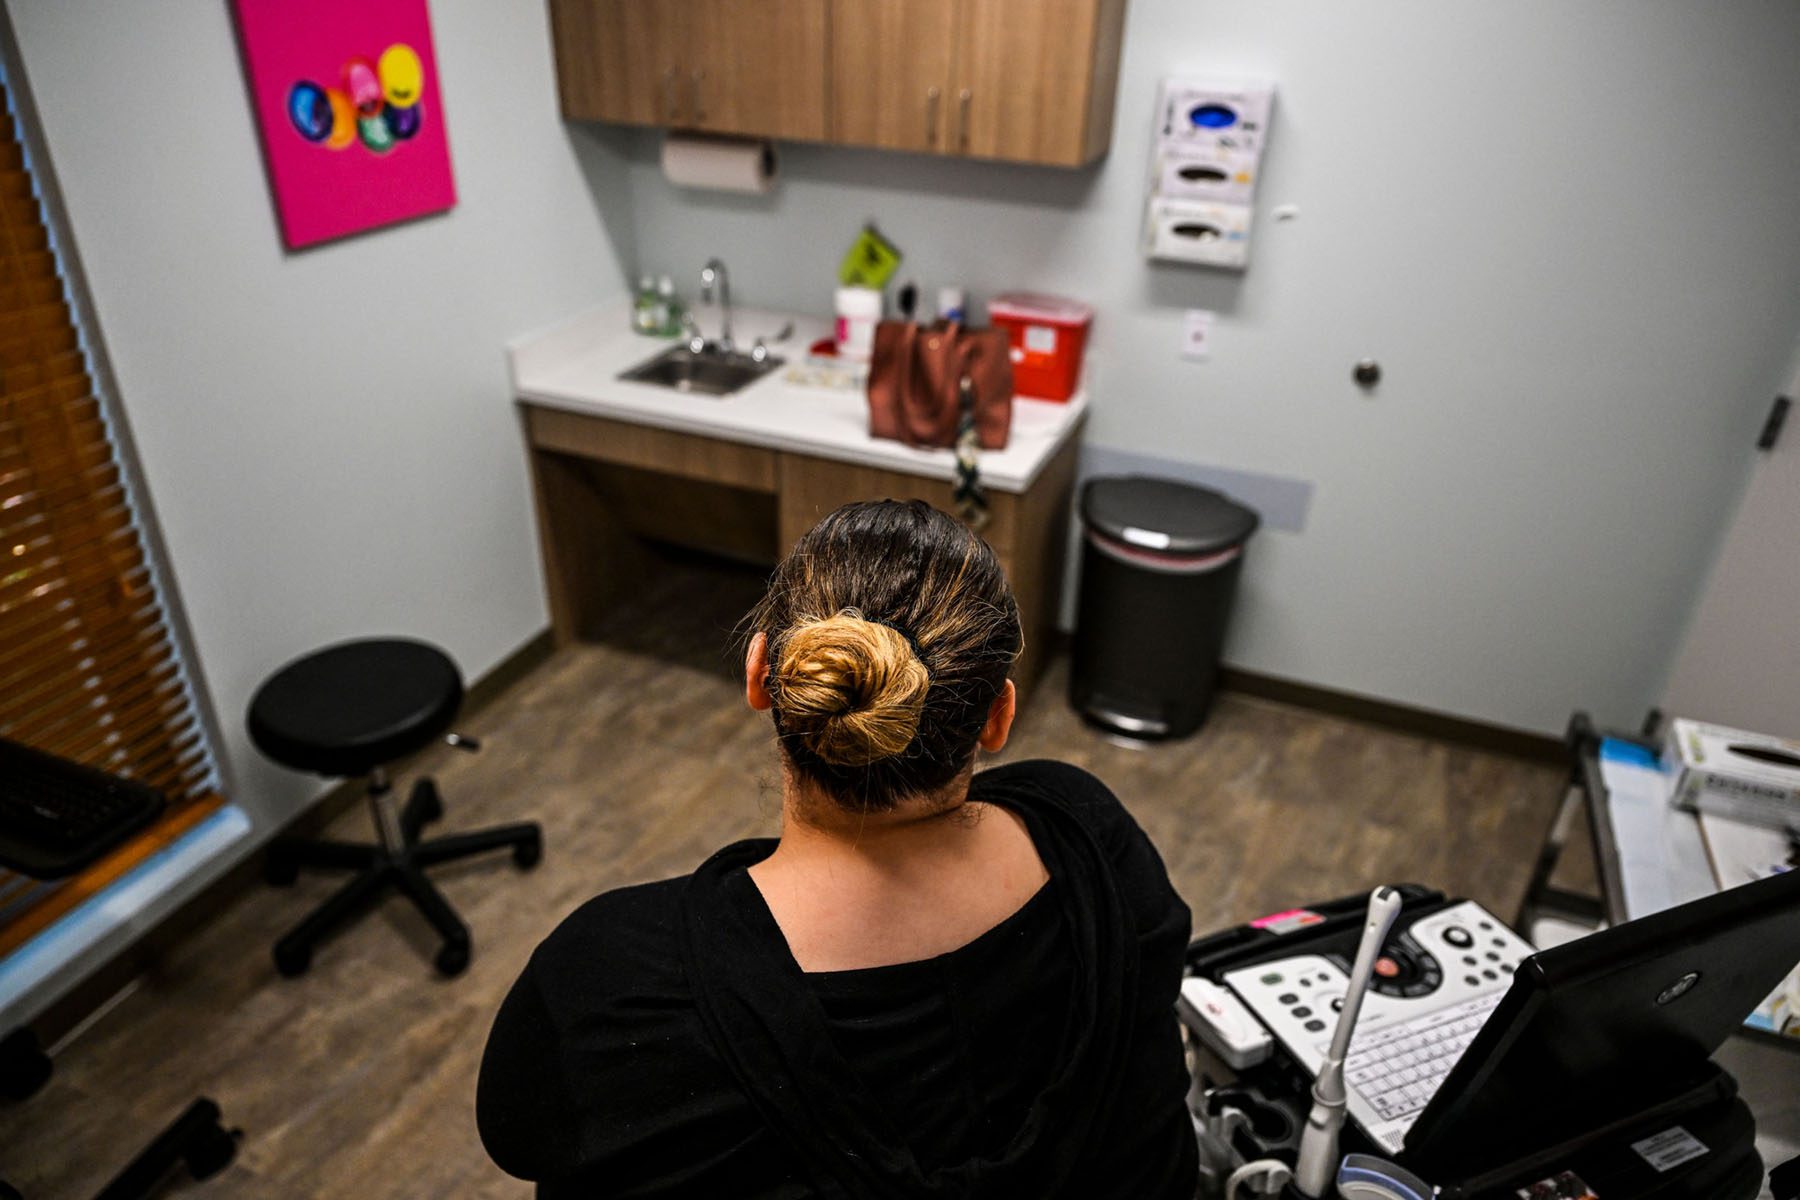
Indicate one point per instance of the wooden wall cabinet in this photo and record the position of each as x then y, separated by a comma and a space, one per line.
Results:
751, 67
893, 73
1038, 78
1021, 80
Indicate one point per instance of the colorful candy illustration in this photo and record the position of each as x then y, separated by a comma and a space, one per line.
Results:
402, 75
402, 122
375, 134
310, 111
343, 120
378, 104
364, 87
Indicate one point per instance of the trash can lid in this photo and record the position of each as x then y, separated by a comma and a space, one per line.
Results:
1161, 514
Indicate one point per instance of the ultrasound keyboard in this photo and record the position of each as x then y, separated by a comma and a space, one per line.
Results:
1400, 1067
1434, 987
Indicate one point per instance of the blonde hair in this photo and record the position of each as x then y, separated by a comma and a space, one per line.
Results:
852, 688
891, 628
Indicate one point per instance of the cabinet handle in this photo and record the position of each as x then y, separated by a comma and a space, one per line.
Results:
931, 116
699, 109
962, 120
672, 94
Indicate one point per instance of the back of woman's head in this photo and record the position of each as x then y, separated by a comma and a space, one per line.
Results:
891, 628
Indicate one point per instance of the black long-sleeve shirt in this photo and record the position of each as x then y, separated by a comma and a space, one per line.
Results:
606, 1073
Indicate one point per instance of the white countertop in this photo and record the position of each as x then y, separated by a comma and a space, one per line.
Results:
575, 366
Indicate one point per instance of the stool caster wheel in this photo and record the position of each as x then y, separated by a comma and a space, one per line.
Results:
425, 804
292, 961
210, 1152
452, 959
24, 1067
279, 870
529, 853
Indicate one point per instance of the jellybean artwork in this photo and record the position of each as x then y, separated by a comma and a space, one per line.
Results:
347, 100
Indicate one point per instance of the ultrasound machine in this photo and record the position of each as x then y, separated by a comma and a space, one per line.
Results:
1405, 1046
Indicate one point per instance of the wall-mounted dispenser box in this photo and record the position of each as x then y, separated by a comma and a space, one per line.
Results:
1226, 176
1199, 231
1209, 142
1221, 116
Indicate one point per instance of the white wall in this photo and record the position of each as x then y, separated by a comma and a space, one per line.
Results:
1564, 229
327, 436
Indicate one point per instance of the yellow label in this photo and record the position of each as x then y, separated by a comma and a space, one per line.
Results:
871, 262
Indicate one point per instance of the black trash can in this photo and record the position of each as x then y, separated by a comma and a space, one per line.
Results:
1159, 568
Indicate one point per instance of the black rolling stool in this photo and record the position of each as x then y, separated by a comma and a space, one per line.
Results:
346, 712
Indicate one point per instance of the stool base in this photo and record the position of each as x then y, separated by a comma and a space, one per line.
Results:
376, 868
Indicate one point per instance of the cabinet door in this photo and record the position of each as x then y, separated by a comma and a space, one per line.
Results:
620, 60
757, 67
1026, 80
892, 63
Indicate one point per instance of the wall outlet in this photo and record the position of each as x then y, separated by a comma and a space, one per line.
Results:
1196, 335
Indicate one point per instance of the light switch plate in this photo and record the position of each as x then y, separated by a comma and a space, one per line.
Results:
1196, 334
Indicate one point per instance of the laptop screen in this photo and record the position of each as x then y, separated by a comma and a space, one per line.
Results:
1606, 1026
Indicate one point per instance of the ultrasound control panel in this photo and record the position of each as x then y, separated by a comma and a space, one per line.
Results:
1454, 954
1435, 979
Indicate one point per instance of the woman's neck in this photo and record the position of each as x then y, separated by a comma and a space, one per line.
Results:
813, 824
852, 890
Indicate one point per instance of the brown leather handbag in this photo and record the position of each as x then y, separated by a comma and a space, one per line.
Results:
915, 383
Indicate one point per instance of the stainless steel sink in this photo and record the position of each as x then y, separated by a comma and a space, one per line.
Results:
710, 373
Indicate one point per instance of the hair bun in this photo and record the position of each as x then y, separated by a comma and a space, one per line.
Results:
851, 689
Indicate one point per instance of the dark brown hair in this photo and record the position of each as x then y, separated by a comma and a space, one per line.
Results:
891, 629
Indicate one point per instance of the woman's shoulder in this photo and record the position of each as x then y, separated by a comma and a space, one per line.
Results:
621, 941
1039, 782
1034, 785
602, 1005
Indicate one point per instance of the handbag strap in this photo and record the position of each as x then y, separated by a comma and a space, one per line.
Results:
971, 498
955, 354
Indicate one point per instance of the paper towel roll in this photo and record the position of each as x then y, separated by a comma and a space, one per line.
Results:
721, 163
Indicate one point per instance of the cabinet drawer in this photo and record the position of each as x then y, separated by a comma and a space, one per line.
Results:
687, 455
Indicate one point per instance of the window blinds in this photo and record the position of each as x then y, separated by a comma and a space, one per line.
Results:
88, 664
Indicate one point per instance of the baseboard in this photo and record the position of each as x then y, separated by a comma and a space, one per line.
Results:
1500, 739
67, 1015
1406, 718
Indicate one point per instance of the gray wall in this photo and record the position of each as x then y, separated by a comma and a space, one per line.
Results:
1740, 662
327, 436
1564, 229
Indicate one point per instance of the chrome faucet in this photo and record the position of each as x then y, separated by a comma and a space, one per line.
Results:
712, 274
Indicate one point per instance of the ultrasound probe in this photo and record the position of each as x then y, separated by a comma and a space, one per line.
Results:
1316, 1168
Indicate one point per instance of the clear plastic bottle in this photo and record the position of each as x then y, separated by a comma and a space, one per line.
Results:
644, 317
952, 303
669, 307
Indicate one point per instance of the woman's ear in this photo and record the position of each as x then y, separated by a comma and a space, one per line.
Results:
756, 674
1000, 718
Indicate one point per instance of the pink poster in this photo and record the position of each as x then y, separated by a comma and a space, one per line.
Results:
346, 96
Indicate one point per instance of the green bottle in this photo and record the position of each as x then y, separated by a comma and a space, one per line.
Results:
646, 315
669, 307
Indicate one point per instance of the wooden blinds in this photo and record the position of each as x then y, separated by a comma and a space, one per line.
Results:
87, 663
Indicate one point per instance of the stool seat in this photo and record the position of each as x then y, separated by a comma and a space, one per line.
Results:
347, 709
351, 710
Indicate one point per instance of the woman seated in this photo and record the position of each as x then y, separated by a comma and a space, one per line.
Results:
936, 983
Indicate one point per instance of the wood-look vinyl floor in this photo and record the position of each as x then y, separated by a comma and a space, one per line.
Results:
639, 758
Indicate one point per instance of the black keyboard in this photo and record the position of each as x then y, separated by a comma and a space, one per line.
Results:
57, 816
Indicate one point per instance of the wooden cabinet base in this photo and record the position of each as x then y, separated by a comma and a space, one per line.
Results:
602, 487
